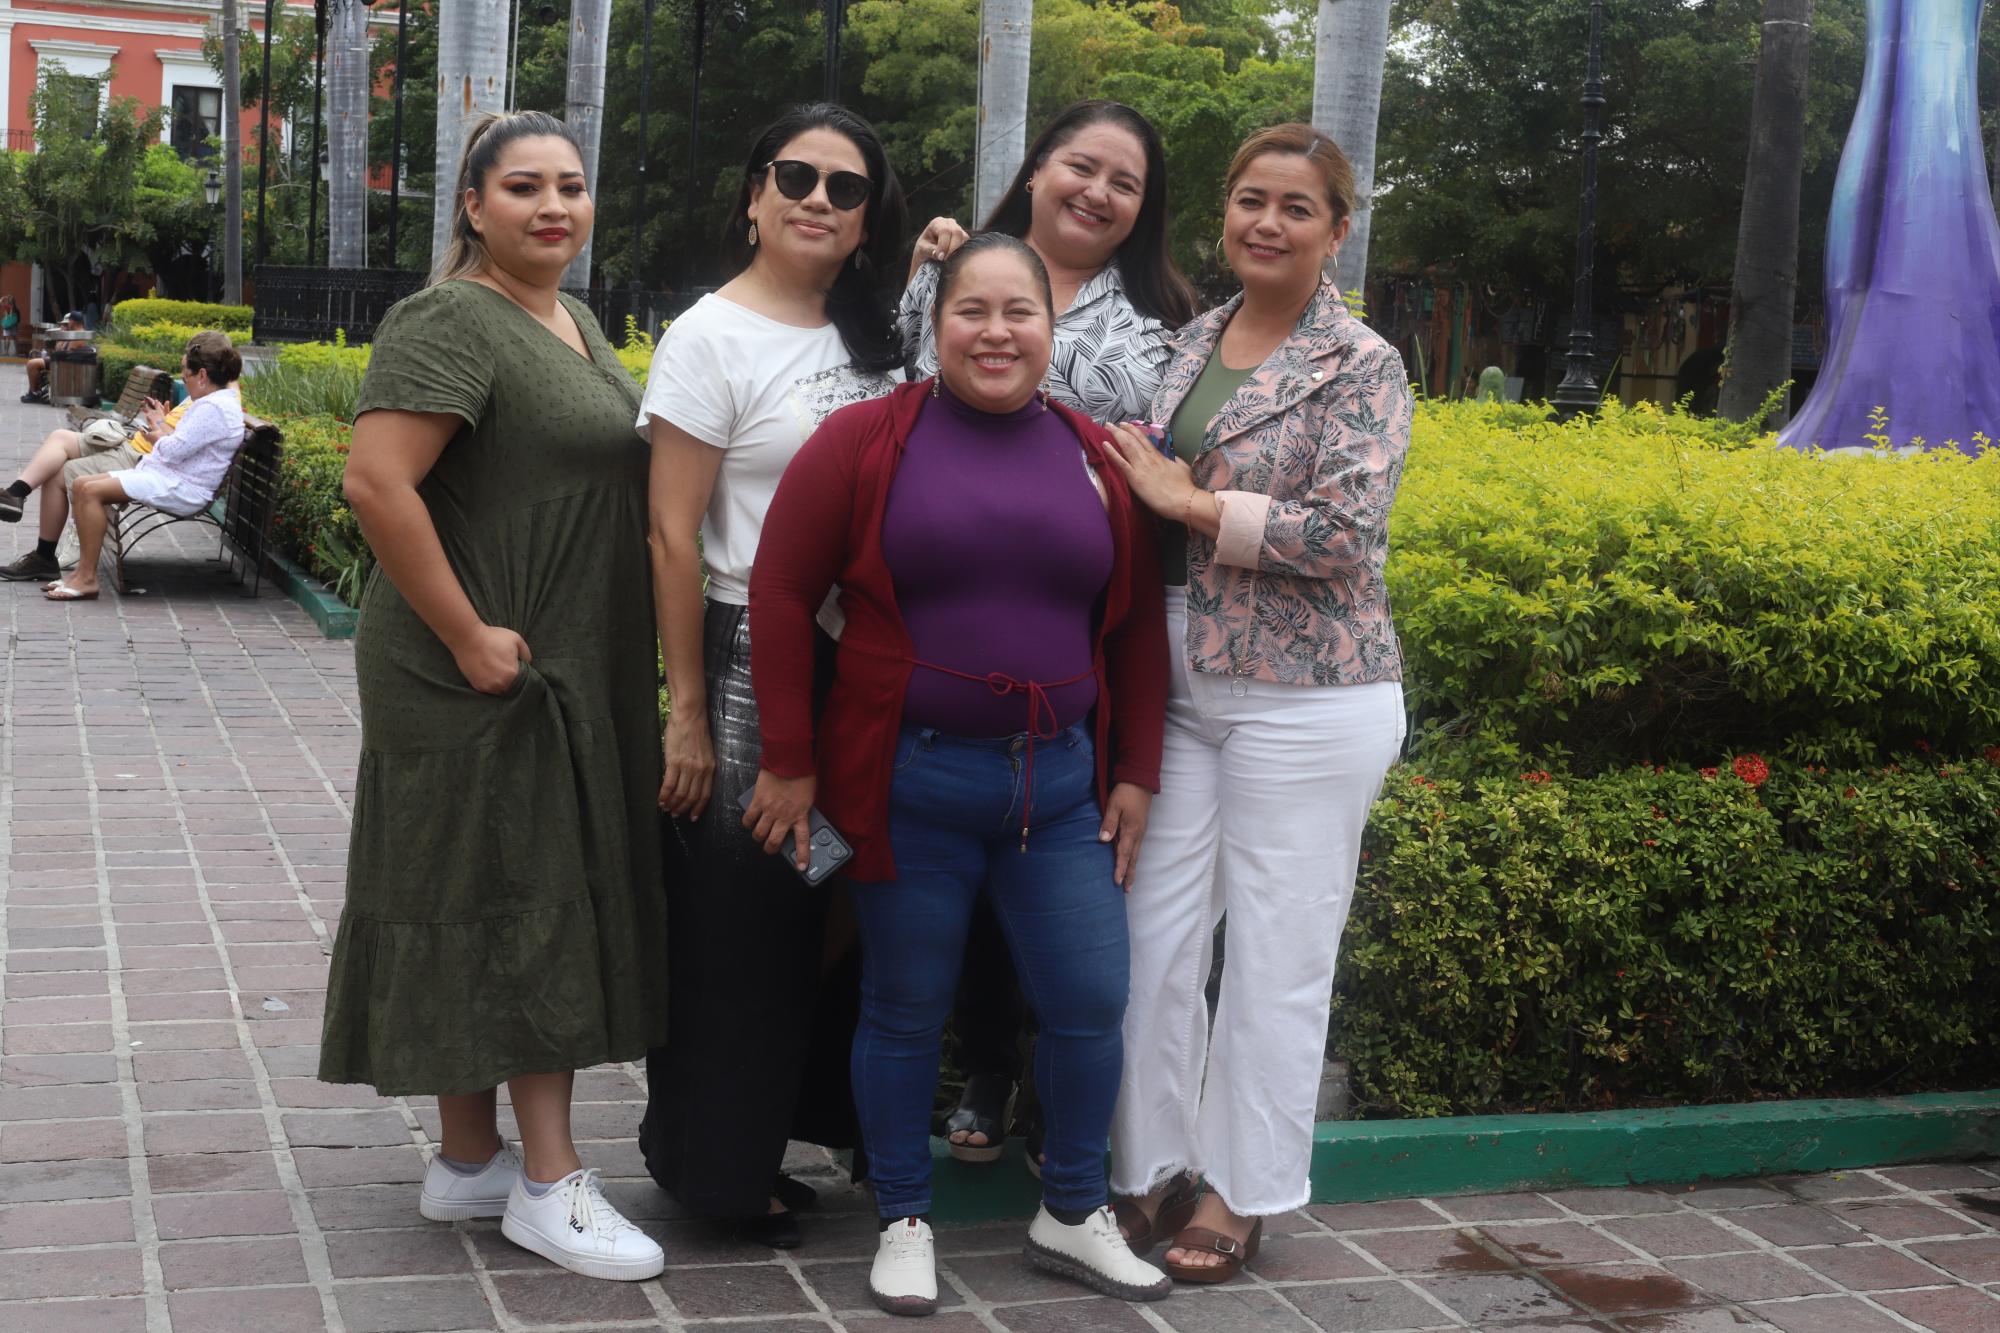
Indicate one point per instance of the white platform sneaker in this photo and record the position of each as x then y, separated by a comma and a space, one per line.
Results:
903, 1279
575, 1225
450, 1196
1095, 1254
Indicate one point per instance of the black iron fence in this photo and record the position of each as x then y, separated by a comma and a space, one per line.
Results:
299, 304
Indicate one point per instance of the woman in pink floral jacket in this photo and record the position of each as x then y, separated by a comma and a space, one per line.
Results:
1288, 422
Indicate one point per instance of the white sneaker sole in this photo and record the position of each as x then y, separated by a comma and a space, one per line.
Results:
612, 1270
1063, 1265
459, 1210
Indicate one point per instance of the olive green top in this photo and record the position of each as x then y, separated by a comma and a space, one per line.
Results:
1216, 386
504, 908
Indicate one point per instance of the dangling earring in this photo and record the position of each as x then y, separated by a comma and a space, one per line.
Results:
857, 259
753, 235
934, 385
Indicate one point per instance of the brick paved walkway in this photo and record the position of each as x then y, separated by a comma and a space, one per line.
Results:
174, 772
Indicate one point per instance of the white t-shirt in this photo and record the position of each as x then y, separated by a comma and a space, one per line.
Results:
755, 389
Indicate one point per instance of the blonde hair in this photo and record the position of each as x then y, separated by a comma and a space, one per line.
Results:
486, 137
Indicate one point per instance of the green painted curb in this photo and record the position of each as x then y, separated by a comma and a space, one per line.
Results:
335, 618
1357, 1160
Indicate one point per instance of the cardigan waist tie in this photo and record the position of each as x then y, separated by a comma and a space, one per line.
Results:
1042, 724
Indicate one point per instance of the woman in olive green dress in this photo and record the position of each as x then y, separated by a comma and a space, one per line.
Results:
503, 895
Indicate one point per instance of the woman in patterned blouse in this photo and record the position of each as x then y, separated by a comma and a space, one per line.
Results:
1091, 200
1288, 422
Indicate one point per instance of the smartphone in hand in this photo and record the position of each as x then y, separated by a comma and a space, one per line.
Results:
828, 853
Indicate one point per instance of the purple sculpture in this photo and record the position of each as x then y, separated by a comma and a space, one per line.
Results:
1912, 247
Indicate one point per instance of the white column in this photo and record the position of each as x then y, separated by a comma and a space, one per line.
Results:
347, 80
1005, 31
589, 40
1353, 43
472, 78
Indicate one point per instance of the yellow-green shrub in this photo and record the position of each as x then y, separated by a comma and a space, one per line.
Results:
234, 320
1644, 586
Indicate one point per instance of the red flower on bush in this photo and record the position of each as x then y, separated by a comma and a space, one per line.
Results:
1537, 775
1751, 769
1707, 773
1923, 747
1993, 755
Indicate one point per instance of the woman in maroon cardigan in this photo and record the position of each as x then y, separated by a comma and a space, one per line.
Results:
993, 724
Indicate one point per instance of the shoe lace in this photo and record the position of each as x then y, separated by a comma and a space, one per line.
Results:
906, 1241
590, 1213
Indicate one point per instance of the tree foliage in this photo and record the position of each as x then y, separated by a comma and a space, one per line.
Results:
98, 195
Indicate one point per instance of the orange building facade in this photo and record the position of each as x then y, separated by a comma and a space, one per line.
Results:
152, 50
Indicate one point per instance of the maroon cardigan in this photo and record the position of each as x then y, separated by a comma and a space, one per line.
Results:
825, 527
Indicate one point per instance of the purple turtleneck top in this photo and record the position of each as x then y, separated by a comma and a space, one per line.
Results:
1000, 549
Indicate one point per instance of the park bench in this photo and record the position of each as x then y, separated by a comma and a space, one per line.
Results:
144, 382
241, 512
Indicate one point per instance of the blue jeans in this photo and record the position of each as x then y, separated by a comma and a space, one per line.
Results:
955, 826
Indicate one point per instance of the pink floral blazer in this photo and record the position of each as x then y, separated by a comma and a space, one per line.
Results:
1304, 460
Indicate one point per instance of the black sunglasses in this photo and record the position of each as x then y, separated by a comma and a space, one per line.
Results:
845, 190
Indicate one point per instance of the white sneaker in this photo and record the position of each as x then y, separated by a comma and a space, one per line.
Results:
1094, 1254
575, 1225
904, 1277
451, 1197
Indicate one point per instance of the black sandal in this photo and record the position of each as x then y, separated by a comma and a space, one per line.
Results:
982, 1109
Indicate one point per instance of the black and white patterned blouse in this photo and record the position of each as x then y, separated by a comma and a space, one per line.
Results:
1107, 359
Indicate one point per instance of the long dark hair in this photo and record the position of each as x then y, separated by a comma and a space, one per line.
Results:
1153, 282
861, 302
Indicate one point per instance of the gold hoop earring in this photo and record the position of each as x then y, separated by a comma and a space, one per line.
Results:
753, 235
1221, 259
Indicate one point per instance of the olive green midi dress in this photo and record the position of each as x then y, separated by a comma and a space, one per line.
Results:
504, 909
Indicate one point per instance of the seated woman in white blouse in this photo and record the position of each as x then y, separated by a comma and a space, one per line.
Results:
182, 473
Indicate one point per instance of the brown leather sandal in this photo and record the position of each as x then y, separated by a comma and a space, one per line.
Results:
1235, 1253
1175, 1210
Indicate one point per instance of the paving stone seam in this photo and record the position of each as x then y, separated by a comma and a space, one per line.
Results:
312, 1242
145, 1234
1783, 1254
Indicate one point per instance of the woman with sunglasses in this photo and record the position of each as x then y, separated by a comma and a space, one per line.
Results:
756, 1015
1090, 200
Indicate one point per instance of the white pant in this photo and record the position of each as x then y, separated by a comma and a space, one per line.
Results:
1264, 791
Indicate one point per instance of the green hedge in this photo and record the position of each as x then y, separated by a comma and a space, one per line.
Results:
1536, 940
116, 362
231, 319
313, 526
1644, 587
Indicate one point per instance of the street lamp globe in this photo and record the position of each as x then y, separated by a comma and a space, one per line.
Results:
211, 186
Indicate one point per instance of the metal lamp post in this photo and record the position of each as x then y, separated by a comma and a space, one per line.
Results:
211, 189
1578, 391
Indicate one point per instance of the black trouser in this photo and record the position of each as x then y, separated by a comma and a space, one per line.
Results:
759, 1020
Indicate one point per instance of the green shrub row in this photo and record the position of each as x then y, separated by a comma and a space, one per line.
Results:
1535, 940
235, 320
1644, 587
